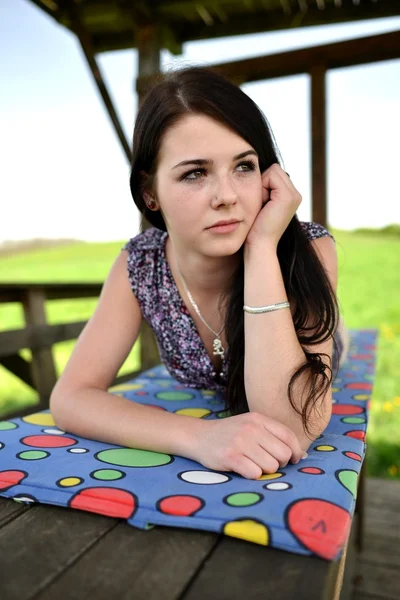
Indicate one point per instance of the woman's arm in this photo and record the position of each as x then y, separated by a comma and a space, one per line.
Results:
99, 415
272, 350
80, 402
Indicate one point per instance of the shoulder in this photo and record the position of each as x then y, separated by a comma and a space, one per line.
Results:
144, 241
314, 230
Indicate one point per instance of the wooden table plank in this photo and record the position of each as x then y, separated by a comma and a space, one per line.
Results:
129, 563
238, 569
41, 542
65, 550
10, 510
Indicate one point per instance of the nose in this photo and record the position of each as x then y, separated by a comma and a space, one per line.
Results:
224, 192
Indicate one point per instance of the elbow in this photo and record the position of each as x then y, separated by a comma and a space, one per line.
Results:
56, 403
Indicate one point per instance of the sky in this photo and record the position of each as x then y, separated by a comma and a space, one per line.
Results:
64, 174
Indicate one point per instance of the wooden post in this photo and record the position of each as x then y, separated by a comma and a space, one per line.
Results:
318, 144
148, 46
43, 368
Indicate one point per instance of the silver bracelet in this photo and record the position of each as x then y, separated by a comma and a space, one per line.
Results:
269, 308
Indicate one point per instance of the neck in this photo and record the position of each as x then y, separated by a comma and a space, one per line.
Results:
204, 276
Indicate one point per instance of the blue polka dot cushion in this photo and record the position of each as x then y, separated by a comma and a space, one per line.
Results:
305, 508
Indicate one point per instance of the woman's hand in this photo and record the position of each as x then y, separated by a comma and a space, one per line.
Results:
249, 444
280, 202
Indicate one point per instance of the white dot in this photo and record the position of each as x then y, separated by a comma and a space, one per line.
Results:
206, 477
54, 431
277, 487
78, 450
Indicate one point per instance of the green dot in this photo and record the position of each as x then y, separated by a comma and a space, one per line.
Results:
107, 474
7, 425
215, 401
349, 480
243, 499
33, 454
223, 414
353, 420
132, 457
369, 376
174, 395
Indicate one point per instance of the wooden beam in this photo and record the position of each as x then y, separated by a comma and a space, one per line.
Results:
37, 337
87, 47
318, 144
148, 42
43, 368
105, 39
18, 366
15, 292
334, 56
276, 20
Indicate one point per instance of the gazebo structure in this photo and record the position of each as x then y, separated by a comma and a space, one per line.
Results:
150, 26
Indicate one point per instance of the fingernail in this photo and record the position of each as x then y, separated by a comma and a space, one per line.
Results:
305, 455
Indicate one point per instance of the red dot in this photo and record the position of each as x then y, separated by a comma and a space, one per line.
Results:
10, 478
360, 435
182, 506
48, 441
346, 409
361, 385
321, 526
106, 501
353, 455
311, 470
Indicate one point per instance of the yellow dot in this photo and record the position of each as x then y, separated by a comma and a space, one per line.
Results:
361, 397
124, 387
70, 481
39, 419
325, 448
335, 389
270, 476
208, 392
396, 401
387, 406
193, 412
248, 530
392, 470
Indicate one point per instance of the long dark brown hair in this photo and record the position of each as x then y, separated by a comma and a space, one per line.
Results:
200, 90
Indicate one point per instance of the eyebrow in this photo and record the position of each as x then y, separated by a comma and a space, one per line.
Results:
207, 161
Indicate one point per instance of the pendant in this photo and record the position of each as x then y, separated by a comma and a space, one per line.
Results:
217, 348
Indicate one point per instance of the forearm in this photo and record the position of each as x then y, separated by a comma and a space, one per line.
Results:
272, 350
100, 415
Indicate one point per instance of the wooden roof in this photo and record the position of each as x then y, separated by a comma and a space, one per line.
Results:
112, 23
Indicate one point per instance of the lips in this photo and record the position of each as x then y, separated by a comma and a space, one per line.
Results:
230, 222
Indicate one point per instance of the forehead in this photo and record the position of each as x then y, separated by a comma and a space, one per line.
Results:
199, 136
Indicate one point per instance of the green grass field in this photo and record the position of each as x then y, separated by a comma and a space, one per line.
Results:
368, 292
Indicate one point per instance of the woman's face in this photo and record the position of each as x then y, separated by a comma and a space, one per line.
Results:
192, 197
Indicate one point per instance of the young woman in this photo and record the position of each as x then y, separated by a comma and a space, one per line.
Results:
226, 250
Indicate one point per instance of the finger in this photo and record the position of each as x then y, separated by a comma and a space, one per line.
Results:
247, 468
286, 435
274, 447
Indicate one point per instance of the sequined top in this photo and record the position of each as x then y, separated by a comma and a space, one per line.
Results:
179, 343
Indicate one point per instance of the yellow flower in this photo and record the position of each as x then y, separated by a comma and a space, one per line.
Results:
393, 470
387, 406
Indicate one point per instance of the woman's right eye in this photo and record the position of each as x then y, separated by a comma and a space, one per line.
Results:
186, 175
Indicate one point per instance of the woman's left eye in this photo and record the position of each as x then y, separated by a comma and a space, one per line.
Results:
248, 163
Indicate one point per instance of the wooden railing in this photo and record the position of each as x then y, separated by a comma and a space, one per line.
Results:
37, 335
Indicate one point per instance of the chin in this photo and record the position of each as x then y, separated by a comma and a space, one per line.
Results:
224, 247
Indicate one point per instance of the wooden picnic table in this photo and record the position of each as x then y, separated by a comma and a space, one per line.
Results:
49, 552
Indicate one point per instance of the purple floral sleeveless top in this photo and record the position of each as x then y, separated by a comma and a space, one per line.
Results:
180, 346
